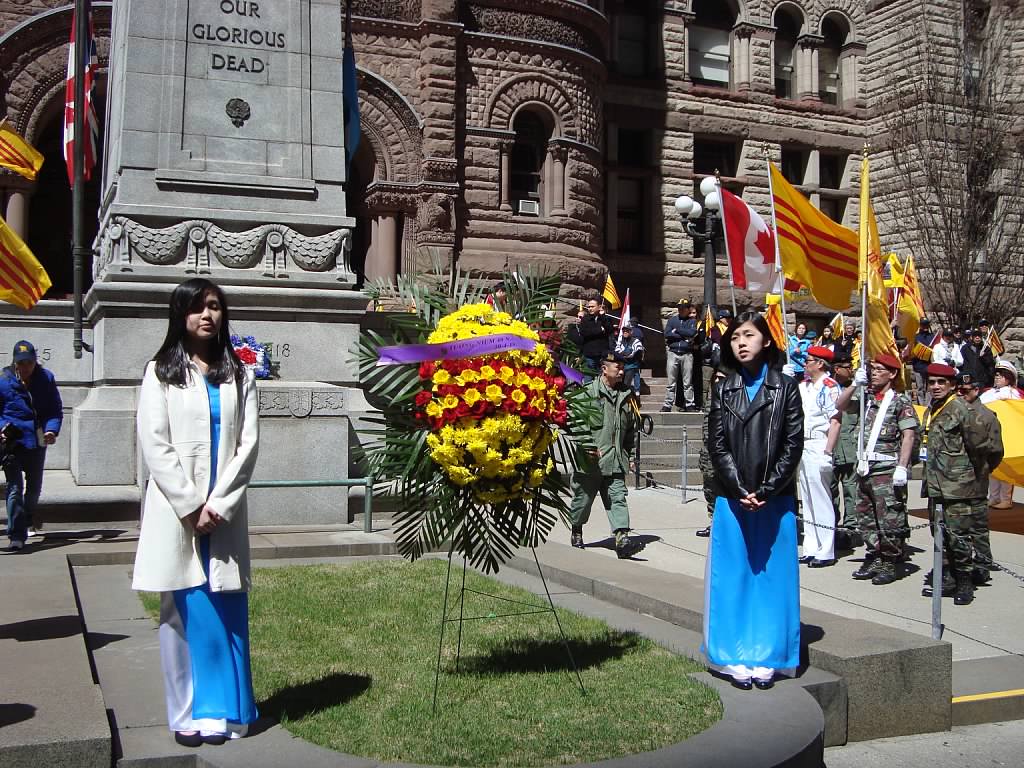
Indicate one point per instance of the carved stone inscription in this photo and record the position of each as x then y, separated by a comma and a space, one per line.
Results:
240, 24
251, 53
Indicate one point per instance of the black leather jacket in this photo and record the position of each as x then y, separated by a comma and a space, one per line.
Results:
756, 446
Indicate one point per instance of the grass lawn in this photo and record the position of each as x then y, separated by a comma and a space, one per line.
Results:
344, 656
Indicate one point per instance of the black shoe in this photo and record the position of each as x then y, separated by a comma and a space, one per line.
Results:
215, 739
628, 546
821, 563
188, 739
666, 409
743, 685
964, 589
764, 685
576, 539
805, 559
866, 570
703, 532
883, 577
980, 577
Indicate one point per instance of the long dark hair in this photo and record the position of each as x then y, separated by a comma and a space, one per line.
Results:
172, 358
770, 354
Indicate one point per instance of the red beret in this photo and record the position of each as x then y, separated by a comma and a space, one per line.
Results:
940, 369
889, 361
822, 353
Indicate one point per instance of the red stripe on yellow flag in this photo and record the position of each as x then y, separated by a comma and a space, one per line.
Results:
815, 251
23, 281
869, 255
773, 316
17, 154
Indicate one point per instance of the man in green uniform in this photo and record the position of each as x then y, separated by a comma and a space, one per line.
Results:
969, 391
884, 467
844, 463
956, 449
603, 471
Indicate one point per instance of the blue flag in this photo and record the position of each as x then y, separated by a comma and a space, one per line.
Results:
350, 95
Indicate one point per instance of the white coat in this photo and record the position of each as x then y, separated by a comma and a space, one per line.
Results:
174, 436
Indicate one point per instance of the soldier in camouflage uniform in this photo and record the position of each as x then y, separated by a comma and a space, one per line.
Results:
957, 449
969, 391
844, 463
707, 469
883, 472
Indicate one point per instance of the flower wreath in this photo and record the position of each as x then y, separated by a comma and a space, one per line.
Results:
253, 355
474, 423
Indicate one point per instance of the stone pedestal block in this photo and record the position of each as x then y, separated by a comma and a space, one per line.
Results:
103, 450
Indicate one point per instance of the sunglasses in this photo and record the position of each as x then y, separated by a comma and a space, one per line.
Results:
933, 382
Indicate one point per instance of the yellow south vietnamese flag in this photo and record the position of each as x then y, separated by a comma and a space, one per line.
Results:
895, 279
869, 251
910, 308
23, 281
610, 294
1011, 421
815, 251
776, 324
837, 326
878, 333
17, 154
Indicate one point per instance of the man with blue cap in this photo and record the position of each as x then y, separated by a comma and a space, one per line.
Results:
31, 412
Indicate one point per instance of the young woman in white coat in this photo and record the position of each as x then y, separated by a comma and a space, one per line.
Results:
198, 432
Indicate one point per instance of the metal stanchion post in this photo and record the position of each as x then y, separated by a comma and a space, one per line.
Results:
937, 573
686, 462
636, 466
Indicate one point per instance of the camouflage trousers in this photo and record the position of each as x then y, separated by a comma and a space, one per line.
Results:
958, 517
587, 485
979, 534
844, 489
882, 514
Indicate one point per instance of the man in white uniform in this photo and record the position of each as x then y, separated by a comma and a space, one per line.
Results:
1000, 494
947, 351
819, 393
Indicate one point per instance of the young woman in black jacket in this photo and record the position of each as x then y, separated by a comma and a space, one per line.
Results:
755, 440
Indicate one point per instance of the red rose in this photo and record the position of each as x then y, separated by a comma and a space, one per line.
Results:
246, 355
461, 410
479, 408
426, 370
423, 398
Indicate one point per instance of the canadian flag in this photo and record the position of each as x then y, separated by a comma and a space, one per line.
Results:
751, 245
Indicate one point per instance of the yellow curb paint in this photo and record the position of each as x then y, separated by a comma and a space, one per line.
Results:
992, 695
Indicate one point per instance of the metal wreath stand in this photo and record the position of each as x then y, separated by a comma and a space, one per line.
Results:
459, 603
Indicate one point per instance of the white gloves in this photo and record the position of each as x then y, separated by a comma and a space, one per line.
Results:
860, 378
789, 370
899, 477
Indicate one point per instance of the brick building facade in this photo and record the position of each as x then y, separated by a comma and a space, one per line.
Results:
551, 132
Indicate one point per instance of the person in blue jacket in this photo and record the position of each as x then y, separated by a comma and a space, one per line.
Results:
798, 344
29, 402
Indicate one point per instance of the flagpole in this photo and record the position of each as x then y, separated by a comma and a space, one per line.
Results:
79, 249
866, 273
725, 237
778, 257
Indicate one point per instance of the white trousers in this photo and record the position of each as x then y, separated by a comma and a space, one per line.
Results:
999, 491
819, 538
176, 662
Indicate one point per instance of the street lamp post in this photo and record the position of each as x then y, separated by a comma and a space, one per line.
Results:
689, 211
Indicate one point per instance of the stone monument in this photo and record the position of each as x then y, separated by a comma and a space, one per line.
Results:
225, 158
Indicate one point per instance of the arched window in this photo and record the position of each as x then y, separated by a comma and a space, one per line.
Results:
711, 42
529, 155
787, 30
835, 30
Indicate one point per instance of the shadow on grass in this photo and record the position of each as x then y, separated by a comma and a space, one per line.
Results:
297, 701
548, 654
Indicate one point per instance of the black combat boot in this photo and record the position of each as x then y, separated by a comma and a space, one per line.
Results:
626, 546
576, 539
885, 573
867, 568
964, 589
948, 584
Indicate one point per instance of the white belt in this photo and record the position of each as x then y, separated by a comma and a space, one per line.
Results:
871, 456
818, 436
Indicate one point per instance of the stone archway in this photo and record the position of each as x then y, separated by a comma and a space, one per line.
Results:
383, 188
33, 63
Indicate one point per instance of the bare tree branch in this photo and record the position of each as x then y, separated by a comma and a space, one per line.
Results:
955, 130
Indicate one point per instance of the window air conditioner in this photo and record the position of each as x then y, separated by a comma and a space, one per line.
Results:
529, 207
